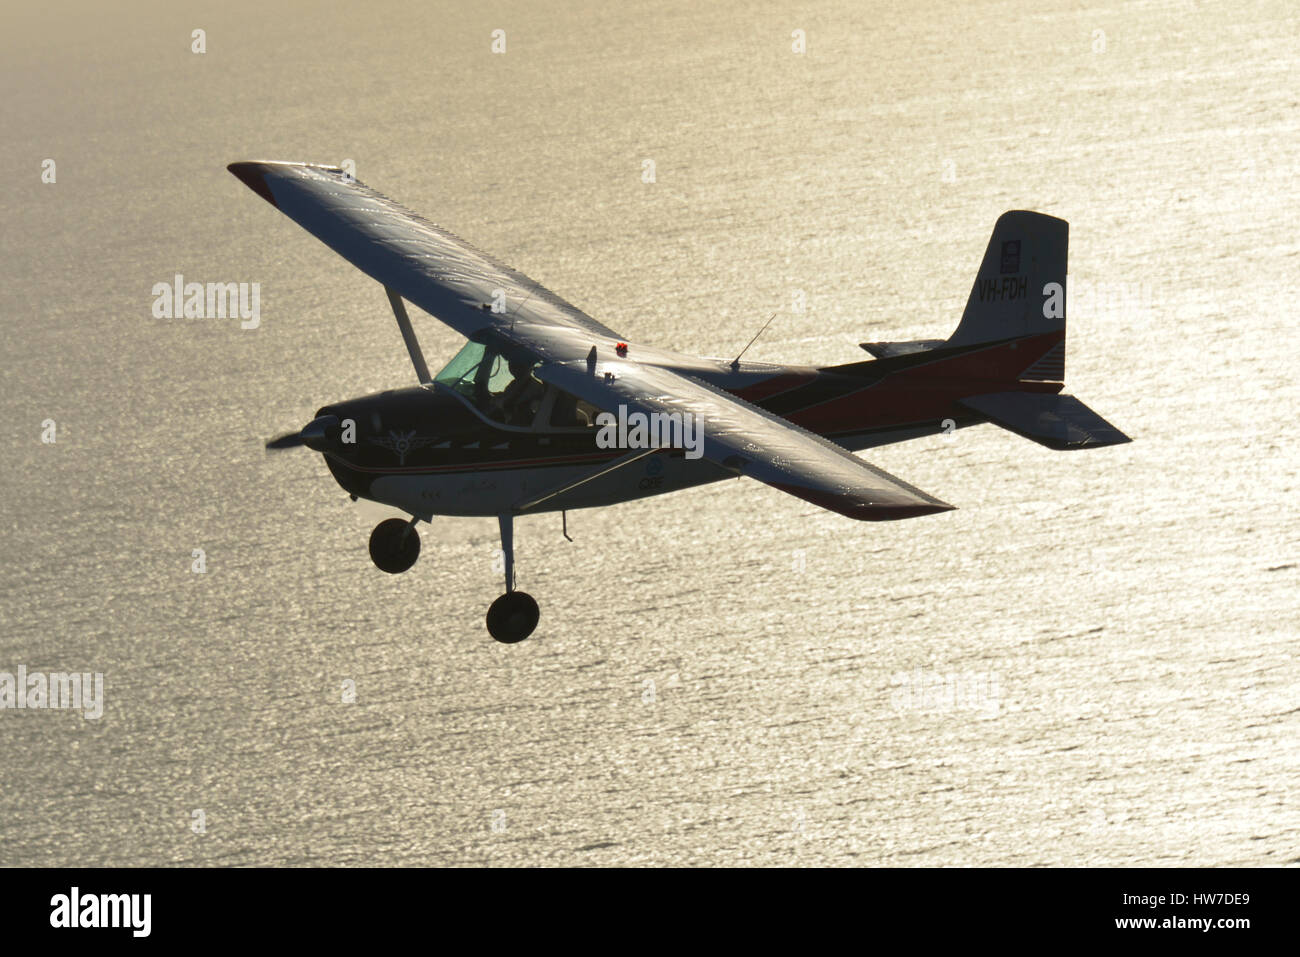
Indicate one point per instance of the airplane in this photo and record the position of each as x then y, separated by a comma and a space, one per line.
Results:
520, 421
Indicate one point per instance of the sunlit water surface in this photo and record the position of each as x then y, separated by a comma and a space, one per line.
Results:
720, 676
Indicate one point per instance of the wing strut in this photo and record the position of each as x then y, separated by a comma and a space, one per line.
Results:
408, 335
618, 463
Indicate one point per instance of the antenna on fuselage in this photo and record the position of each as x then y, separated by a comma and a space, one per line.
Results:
735, 363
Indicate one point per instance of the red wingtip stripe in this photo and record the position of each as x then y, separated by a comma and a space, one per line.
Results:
864, 510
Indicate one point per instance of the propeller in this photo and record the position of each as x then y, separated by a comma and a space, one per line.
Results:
315, 435
289, 440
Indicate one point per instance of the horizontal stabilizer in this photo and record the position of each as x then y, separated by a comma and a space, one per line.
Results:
1056, 421
884, 350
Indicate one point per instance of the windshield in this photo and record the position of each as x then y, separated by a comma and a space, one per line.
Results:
459, 372
505, 391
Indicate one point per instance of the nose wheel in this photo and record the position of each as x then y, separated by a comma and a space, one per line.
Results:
394, 545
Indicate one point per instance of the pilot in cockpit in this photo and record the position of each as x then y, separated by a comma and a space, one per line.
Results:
521, 399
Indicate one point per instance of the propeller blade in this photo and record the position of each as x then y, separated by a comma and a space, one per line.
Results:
316, 435
289, 440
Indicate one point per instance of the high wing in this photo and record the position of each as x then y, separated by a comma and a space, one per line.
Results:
453, 281
423, 263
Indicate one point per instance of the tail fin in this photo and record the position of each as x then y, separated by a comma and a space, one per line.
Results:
1018, 292
1015, 319
1020, 288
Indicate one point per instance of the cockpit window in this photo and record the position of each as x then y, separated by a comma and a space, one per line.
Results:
459, 372
504, 390
509, 393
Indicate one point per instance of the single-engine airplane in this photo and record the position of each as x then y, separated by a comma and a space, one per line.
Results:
519, 420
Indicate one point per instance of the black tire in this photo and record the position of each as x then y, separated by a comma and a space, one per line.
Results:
513, 617
394, 546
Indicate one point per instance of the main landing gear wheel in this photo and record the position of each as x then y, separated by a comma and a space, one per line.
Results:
394, 545
512, 617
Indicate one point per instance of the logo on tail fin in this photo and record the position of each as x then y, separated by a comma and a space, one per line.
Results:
1011, 256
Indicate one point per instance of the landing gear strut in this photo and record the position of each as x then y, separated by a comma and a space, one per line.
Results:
514, 615
395, 545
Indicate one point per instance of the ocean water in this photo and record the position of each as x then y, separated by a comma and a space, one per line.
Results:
1091, 662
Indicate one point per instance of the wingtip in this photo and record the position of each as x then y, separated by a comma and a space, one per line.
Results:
253, 175
877, 509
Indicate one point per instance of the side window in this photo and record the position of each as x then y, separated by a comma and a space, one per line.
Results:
514, 394
570, 412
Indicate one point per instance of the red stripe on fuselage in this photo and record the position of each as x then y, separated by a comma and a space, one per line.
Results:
928, 391
484, 464
783, 382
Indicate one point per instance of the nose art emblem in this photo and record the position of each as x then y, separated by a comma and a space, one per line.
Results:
402, 443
